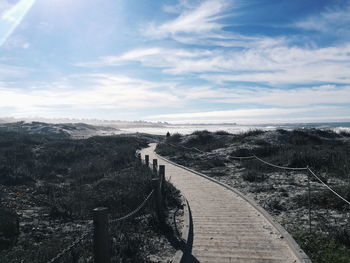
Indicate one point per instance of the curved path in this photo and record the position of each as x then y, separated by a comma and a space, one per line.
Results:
228, 227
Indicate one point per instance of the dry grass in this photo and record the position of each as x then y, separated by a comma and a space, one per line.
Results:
75, 177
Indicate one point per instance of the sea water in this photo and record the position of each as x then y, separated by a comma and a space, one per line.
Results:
234, 128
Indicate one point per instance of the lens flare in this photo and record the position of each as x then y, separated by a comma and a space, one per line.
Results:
12, 18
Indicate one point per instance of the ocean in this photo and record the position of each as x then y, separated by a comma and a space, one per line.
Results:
234, 128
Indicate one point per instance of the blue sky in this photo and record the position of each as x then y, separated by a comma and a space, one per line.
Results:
253, 61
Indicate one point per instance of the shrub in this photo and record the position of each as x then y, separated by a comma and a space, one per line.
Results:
275, 205
282, 131
344, 133
205, 141
9, 228
167, 150
241, 152
222, 132
201, 137
253, 176
325, 198
265, 151
251, 132
212, 163
175, 138
303, 137
322, 249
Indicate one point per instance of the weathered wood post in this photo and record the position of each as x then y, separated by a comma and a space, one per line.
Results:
309, 196
162, 177
155, 166
139, 157
158, 200
101, 235
147, 160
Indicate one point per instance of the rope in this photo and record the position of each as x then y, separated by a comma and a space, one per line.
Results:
247, 158
281, 167
187, 148
175, 224
243, 157
276, 166
65, 251
134, 211
327, 186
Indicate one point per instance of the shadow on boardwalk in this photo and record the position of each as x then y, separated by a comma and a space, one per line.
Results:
187, 247
180, 244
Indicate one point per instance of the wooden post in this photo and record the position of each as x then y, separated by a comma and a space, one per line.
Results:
158, 200
139, 157
147, 160
155, 166
309, 197
101, 236
162, 176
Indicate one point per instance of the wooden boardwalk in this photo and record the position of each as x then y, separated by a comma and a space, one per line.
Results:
226, 226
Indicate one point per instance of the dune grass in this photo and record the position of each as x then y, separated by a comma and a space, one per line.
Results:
326, 152
67, 179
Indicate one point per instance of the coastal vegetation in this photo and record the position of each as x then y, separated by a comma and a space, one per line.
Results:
50, 184
282, 192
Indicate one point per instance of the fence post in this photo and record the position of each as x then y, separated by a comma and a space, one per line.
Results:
158, 200
147, 160
139, 157
155, 166
101, 236
162, 176
309, 197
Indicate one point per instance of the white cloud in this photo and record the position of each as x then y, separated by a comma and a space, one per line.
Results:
16, 41
292, 97
258, 115
104, 92
8, 71
246, 58
118, 92
200, 23
199, 19
333, 21
279, 65
148, 57
274, 64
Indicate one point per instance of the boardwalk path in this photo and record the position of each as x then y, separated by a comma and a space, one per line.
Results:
226, 227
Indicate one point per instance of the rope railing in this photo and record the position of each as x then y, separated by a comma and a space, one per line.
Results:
276, 166
280, 167
83, 237
327, 186
243, 157
68, 249
135, 211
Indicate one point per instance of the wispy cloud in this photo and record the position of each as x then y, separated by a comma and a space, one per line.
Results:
8, 72
273, 65
334, 21
256, 115
148, 57
267, 97
198, 53
108, 92
202, 18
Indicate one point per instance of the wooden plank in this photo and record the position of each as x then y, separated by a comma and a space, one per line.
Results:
226, 228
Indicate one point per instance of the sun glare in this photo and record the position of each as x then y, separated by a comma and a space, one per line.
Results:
12, 18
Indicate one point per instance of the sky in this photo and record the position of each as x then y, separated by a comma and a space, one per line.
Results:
181, 61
